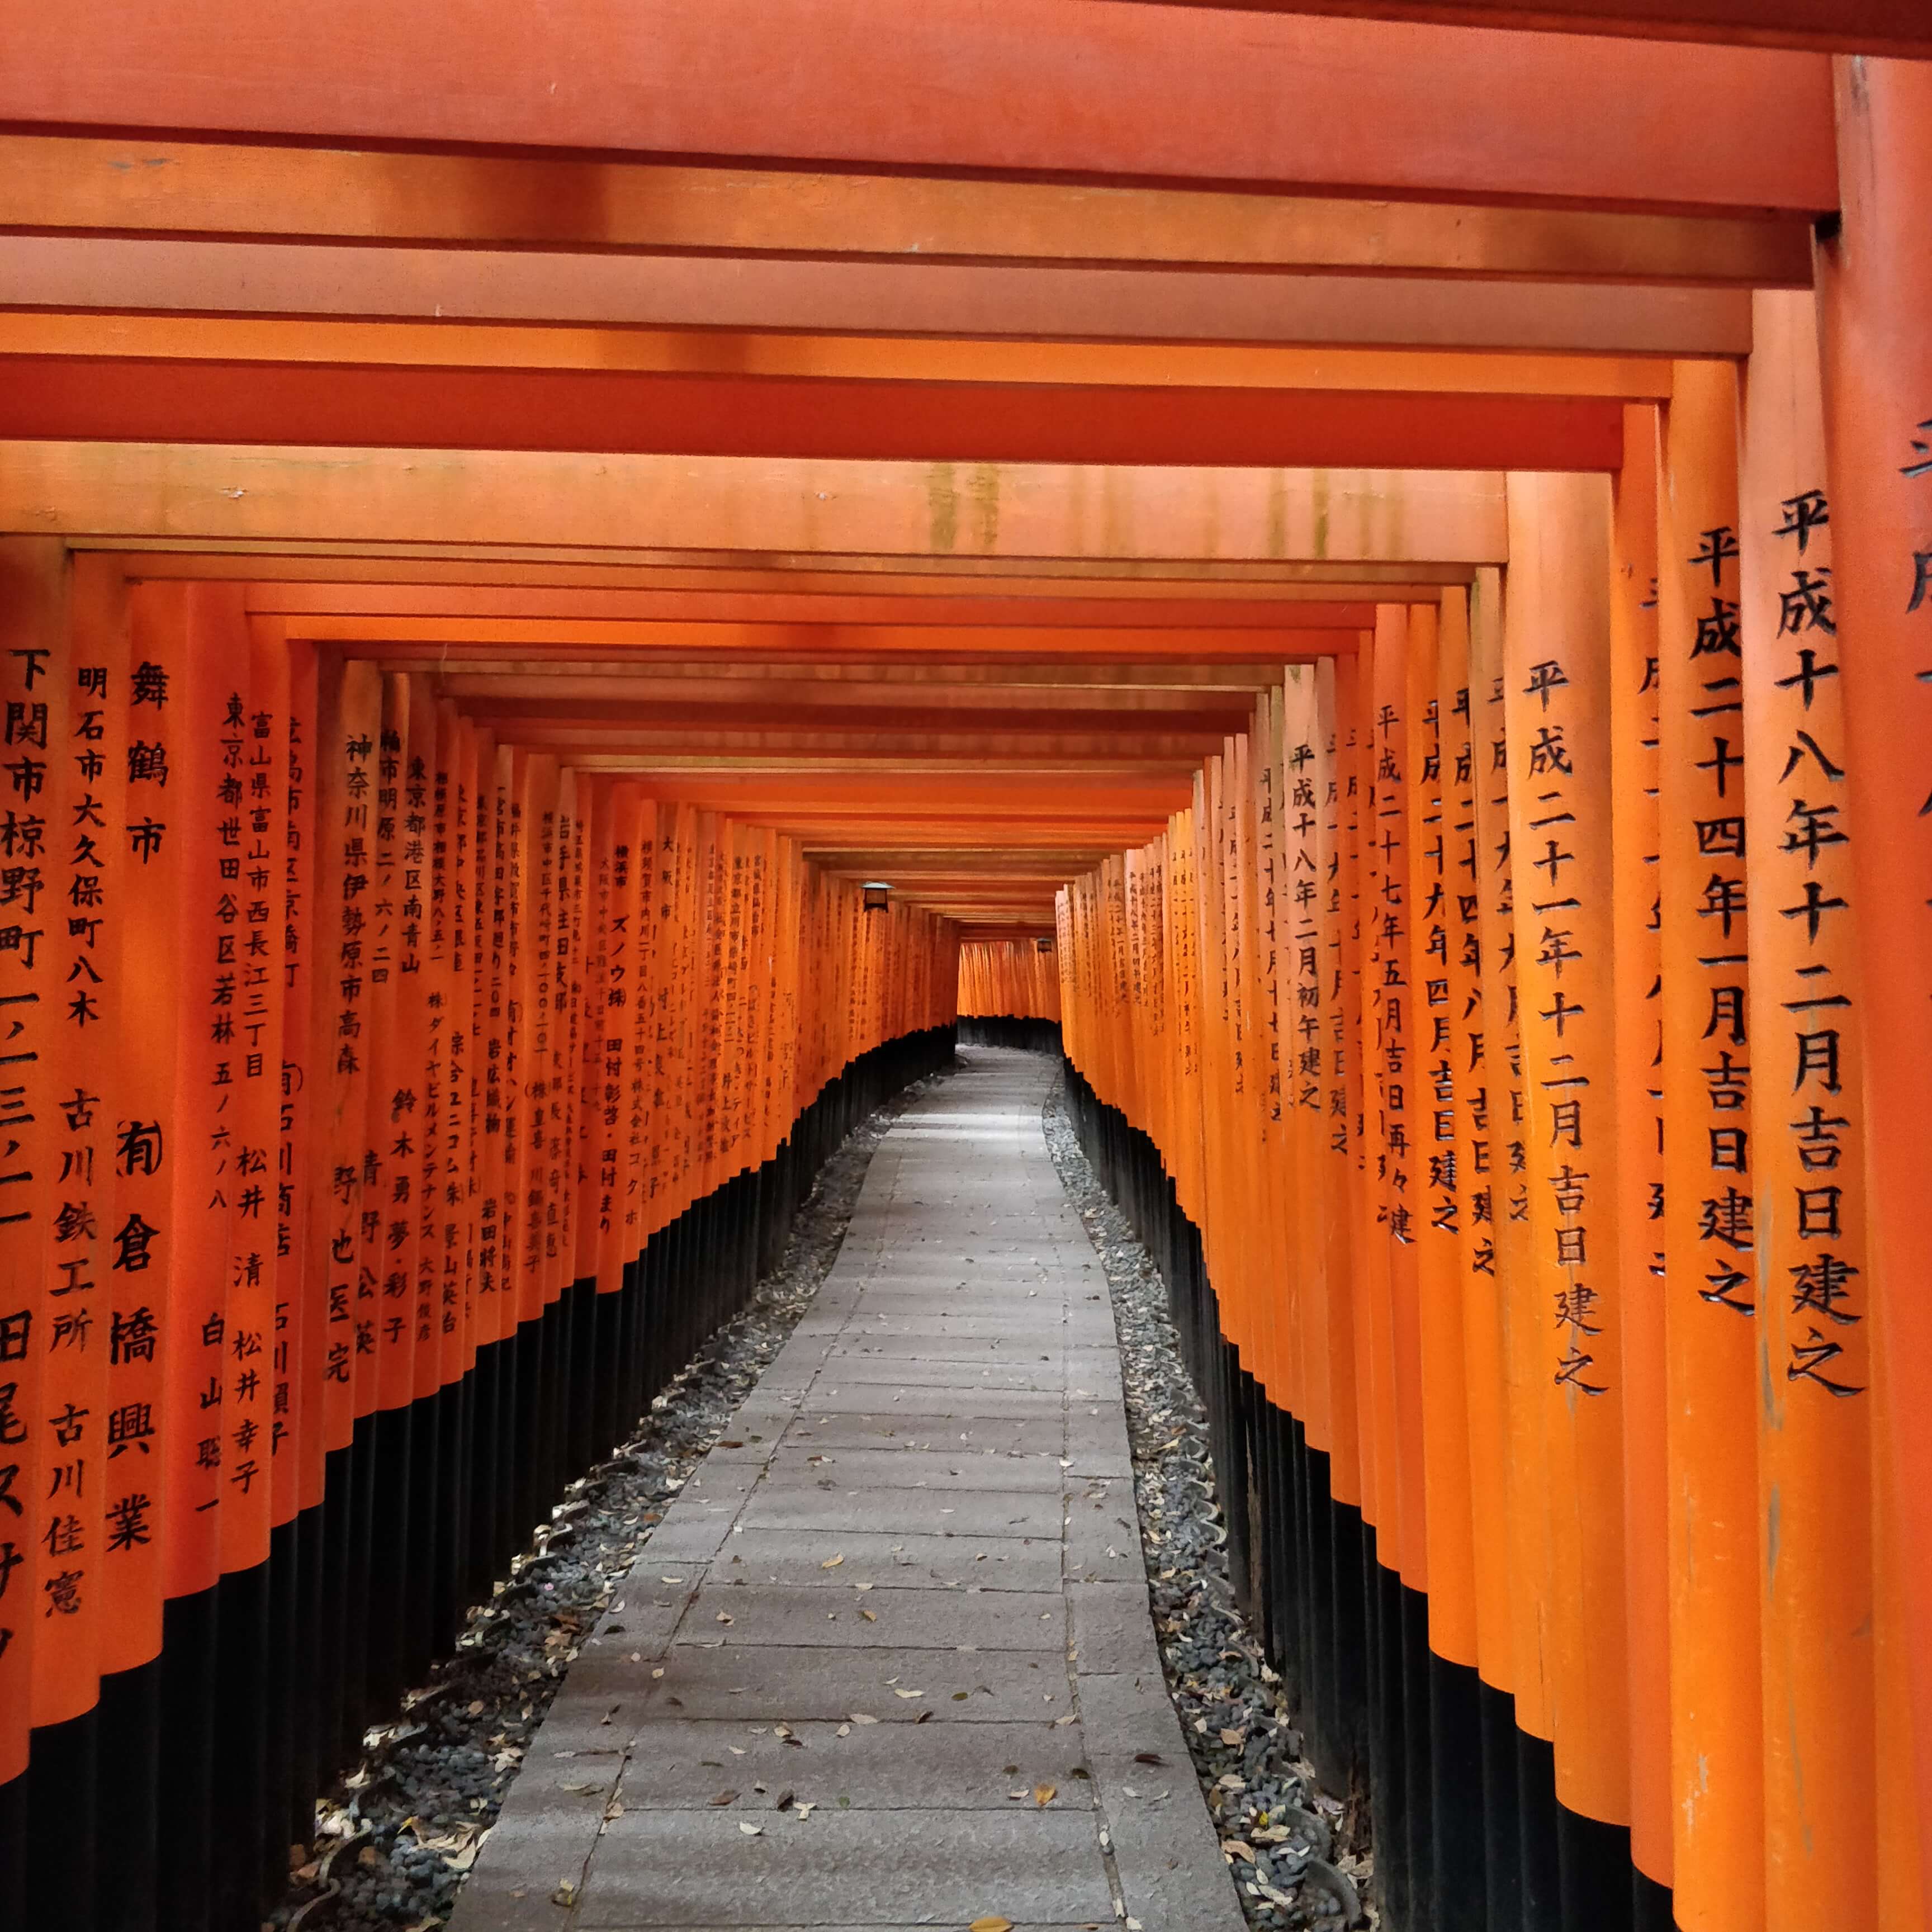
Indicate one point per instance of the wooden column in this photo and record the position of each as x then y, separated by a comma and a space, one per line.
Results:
137, 1181
1502, 1163
1875, 281
1813, 1270
1474, 1096
34, 590
1709, 1218
1556, 664
1442, 1387
1638, 968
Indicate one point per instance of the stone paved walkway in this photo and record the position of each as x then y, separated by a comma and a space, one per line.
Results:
887, 1662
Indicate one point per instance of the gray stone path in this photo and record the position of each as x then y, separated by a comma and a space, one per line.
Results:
887, 1661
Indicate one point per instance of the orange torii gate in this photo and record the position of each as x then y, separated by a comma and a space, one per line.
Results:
443, 757
1580, 933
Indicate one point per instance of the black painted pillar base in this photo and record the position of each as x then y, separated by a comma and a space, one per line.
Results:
173, 1805
1468, 1834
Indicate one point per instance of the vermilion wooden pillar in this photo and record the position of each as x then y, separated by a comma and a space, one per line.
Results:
1504, 1162
1442, 1385
1875, 284
1814, 1275
1711, 1342
1473, 1082
1556, 675
1640, 986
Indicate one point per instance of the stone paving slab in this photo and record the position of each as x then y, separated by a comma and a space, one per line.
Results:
874, 1767
916, 1619
944, 1723
663, 1867
1044, 1435
909, 1468
1043, 1375
887, 1562
764, 1682
969, 1513
929, 1409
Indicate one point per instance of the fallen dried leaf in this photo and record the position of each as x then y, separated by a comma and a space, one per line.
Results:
992, 1922
565, 1893
752, 1830
1236, 1848
1149, 1757
1233, 1737
908, 1693
724, 1798
863, 1718
1043, 1794
832, 1562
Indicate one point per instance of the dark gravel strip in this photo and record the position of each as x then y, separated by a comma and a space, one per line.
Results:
1294, 1848
395, 1837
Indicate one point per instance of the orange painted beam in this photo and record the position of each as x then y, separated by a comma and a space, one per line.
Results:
1899, 27
1041, 929
983, 861
867, 680
859, 358
900, 735
958, 683
406, 600
130, 186
1202, 643
774, 703
698, 292
578, 507
1030, 86
733, 588
152, 401
970, 798
1198, 583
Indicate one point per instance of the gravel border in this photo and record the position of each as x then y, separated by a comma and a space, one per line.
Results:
1300, 1856
395, 1837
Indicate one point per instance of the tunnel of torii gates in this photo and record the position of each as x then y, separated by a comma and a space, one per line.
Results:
575, 572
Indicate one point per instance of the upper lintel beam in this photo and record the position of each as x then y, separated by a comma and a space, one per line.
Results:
689, 292
84, 185
1026, 87
1899, 28
828, 419
774, 355
1101, 520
